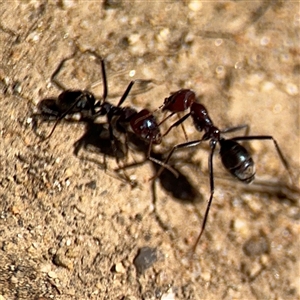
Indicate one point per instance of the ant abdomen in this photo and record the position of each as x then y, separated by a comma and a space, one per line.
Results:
237, 160
82, 100
48, 107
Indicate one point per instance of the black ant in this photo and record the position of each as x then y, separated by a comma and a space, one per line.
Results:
143, 124
235, 158
70, 101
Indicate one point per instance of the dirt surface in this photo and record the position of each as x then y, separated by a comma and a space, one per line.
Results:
71, 227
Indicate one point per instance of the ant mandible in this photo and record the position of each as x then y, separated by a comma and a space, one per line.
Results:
235, 158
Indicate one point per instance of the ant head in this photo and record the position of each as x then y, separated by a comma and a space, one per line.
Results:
237, 160
179, 101
145, 126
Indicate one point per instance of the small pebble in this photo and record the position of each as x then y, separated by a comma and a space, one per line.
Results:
14, 280
206, 276
145, 258
292, 89
68, 172
91, 185
195, 6
264, 41
170, 295
52, 274
66, 4
35, 245
61, 260
45, 268
256, 245
15, 209
218, 42
119, 268
241, 227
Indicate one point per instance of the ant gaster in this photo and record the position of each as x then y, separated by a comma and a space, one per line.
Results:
235, 158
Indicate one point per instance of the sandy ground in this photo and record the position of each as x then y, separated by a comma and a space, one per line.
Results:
71, 228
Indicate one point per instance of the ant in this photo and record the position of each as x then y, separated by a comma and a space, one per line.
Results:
70, 101
235, 158
143, 123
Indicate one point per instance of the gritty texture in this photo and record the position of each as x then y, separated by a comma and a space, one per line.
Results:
71, 227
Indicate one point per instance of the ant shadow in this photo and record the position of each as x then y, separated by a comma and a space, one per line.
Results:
96, 139
41, 117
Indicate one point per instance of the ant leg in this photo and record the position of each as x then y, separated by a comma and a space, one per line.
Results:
179, 117
112, 137
237, 128
120, 167
212, 188
175, 173
179, 146
164, 166
62, 116
34, 122
267, 137
104, 78
53, 78
149, 157
183, 129
177, 123
109, 118
166, 118
128, 89
42, 118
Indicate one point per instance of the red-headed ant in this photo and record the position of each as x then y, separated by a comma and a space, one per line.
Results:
235, 158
